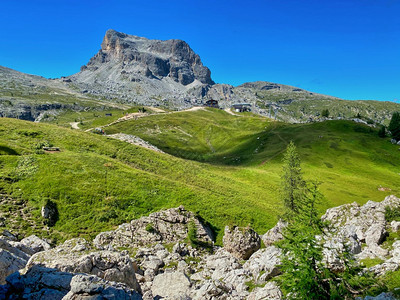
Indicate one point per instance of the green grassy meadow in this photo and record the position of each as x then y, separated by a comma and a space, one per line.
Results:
224, 167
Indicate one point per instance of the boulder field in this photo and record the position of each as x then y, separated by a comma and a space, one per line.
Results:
170, 254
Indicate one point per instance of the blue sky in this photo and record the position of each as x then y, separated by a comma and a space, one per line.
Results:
349, 49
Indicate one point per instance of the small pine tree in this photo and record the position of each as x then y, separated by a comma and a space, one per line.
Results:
394, 125
382, 132
293, 185
304, 275
325, 113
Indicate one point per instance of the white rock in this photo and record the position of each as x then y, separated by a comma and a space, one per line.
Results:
395, 225
270, 291
264, 260
173, 285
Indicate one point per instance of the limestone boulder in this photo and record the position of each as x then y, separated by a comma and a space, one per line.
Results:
264, 263
92, 287
76, 256
241, 242
174, 285
168, 226
274, 234
269, 291
11, 259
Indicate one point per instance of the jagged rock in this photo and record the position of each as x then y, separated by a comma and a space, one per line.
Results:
38, 283
221, 263
35, 243
274, 234
173, 285
93, 287
168, 226
46, 283
105, 264
384, 267
352, 224
8, 236
395, 225
265, 262
270, 291
395, 253
211, 290
241, 242
11, 259
375, 234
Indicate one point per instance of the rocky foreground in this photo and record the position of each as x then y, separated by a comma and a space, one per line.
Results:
170, 254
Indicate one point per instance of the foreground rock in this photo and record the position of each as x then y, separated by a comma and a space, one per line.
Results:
174, 285
92, 287
274, 234
351, 225
168, 226
46, 283
166, 266
76, 256
241, 242
270, 291
11, 259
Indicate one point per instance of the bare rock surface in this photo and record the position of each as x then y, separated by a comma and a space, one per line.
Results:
76, 256
269, 291
92, 287
168, 226
174, 285
264, 264
274, 234
351, 225
11, 259
241, 242
47, 283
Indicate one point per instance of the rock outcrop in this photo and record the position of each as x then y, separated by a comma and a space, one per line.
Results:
164, 265
76, 256
46, 283
138, 69
15, 255
169, 226
241, 242
351, 225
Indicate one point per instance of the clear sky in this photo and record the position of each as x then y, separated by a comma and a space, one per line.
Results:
344, 48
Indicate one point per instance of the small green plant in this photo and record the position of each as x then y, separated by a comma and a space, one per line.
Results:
150, 228
370, 262
325, 113
27, 166
392, 214
192, 234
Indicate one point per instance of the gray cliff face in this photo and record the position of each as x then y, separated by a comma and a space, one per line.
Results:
153, 58
135, 69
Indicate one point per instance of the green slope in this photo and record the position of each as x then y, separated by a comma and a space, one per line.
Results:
235, 179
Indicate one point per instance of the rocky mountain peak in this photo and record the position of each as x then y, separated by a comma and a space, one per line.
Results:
154, 59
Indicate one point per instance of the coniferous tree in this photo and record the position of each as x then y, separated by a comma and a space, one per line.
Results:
325, 113
293, 185
394, 126
382, 132
304, 275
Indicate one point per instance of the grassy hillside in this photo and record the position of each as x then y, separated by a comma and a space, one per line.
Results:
99, 182
349, 158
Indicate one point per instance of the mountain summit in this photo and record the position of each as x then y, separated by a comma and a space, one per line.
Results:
135, 68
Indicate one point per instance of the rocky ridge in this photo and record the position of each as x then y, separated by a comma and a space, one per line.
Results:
142, 261
135, 70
